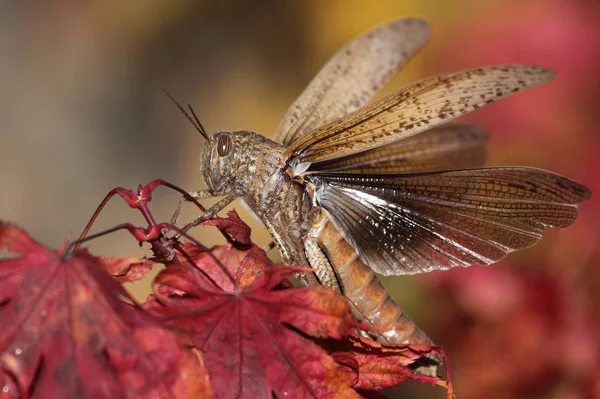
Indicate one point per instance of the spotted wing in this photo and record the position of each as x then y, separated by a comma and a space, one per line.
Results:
447, 147
353, 76
405, 224
411, 110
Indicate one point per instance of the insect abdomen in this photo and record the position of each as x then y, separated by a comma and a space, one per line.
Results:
363, 289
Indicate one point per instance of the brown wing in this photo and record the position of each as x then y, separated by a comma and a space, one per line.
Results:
447, 147
405, 224
353, 76
412, 110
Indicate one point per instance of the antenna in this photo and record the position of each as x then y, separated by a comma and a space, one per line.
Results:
195, 122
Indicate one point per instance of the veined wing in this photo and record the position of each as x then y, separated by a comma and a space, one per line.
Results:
407, 224
411, 110
447, 147
354, 74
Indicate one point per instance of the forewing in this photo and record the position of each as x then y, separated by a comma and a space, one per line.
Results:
411, 110
353, 76
447, 147
407, 224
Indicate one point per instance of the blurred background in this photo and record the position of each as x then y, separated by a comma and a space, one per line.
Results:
81, 113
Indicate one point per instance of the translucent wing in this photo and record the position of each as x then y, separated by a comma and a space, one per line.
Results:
411, 110
353, 76
405, 224
447, 147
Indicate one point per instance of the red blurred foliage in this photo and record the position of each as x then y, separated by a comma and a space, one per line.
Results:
530, 329
561, 34
516, 334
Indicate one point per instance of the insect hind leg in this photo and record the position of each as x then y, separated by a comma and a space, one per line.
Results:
319, 262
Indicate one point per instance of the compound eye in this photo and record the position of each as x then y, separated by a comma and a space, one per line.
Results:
224, 144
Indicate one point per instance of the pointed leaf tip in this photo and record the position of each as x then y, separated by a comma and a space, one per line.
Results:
14, 239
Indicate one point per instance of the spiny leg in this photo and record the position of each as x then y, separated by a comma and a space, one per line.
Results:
210, 212
197, 194
326, 275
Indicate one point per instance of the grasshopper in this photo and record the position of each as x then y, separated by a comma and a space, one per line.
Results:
352, 188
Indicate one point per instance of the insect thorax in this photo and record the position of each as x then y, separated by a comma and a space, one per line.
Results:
254, 171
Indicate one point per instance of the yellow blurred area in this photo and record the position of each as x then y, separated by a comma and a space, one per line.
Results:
81, 111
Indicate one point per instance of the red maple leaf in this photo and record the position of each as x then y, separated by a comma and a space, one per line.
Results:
258, 336
254, 338
243, 260
374, 366
68, 333
233, 227
126, 269
243, 265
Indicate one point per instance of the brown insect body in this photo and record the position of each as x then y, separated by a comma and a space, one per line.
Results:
349, 188
254, 172
370, 301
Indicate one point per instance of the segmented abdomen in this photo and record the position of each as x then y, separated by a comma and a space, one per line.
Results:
363, 289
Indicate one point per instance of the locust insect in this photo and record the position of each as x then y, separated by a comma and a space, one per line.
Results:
352, 188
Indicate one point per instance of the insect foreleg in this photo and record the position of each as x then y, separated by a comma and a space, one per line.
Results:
198, 194
211, 212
